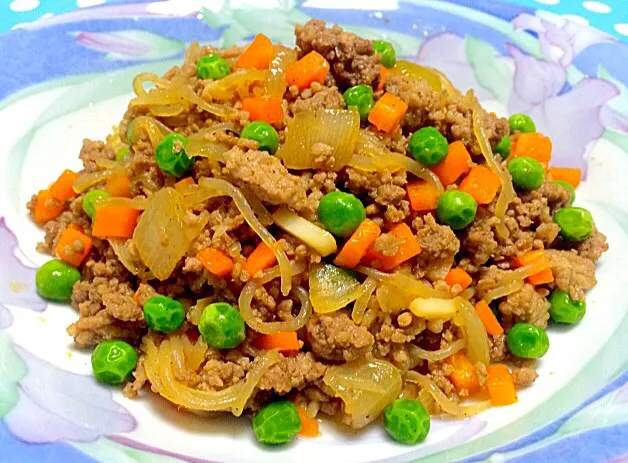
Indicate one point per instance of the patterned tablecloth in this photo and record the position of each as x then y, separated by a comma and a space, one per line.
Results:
610, 16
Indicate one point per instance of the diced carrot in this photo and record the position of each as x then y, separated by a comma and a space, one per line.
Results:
185, 181
285, 341
458, 276
501, 385
267, 109
423, 195
115, 222
119, 185
356, 247
571, 175
47, 207
533, 145
408, 248
73, 226
309, 426
73, 247
62, 189
388, 112
542, 271
216, 261
464, 375
383, 75
543, 277
260, 259
481, 183
311, 68
257, 55
488, 318
456, 163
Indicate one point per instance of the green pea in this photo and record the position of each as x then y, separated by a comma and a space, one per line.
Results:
264, 134
571, 189
341, 213
222, 326
576, 223
360, 97
389, 56
564, 309
54, 280
90, 199
503, 147
521, 123
171, 156
527, 341
113, 361
407, 421
122, 154
527, 173
277, 423
428, 146
212, 67
164, 314
456, 209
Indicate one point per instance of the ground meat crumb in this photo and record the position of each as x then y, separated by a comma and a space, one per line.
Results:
524, 376
336, 337
593, 247
292, 372
526, 305
386, 245
351, 58
572, 272
439, 247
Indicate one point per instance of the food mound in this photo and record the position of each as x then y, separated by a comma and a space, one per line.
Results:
318, 230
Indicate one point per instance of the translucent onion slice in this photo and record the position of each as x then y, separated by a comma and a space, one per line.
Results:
445, 403
134, 203
361, 303
332, 288
282, 59
392, 299
155, 129
192, 54
131, 262
213, 187
139, 81
365, 386
246, 296
236, 84
162, 237
475, 333
503, 290
373, 155
90, 179
416, 71
337, 128
507, 192
314, 236
406, 283
161, 362
417, 354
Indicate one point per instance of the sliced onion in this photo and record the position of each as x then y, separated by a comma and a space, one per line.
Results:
139, 81
314, 236
213, 187
507, 193
337, 128
246, 296
195, 312
416, 353
161, 361
361, 303
503, 290
392, 299
155, 130
445, 403
131, 262
283, 58
405, 283
90, 179
416, 71
162, 238
332, 288
475, 333
134, 203
192, 54
236, 84
365, 386
375, 156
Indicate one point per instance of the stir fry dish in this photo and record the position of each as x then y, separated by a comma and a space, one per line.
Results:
320, 231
